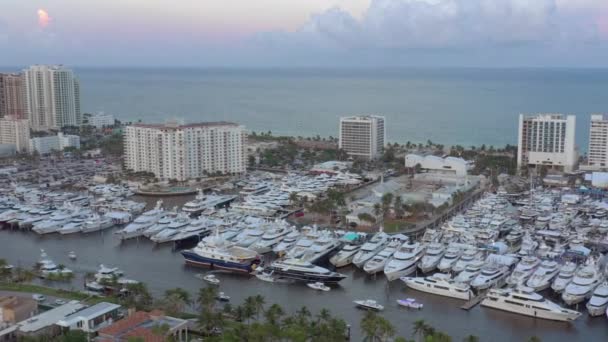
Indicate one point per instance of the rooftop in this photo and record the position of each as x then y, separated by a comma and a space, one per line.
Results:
140, 324
50, 317
185, 126
88, 313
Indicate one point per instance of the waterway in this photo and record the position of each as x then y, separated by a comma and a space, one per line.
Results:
162, 268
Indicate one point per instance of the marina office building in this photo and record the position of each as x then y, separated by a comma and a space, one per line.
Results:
547, 140
182, 152
363, 136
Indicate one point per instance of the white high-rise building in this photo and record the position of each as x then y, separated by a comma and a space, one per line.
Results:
52, 96
597, 155
181, 152
547, 139
16, 132
363, 136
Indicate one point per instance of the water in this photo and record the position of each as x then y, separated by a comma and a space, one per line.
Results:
450, 106
162, 268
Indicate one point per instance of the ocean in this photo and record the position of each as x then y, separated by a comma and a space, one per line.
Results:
448, 106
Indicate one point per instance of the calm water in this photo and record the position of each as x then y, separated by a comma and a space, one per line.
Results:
451, 106
161, 268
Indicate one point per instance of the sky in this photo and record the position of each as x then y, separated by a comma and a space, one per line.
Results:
303, 33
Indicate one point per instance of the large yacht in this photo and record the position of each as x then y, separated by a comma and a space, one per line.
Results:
492, 275
160, 225
301, 270
370, 248
564, 277
322, 247
270, 239
585, 280
203, 202
345, 256
377, 263
197, 228
543, 276
440, 284
141, 223
451, 256
249, 236
524, 301
598, 303
432, 257
175, 227
469, 256
96, 223
215, 252
470, 272
55, 222
523, 270
404, 260
288, 242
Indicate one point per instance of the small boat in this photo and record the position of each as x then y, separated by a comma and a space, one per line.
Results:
318, 286
265, 276
211, 279
72, 255
410, 303
222, 297
369, 304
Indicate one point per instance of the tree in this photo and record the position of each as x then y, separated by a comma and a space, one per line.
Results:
176, 300
471, 338
138, 296
366, 217
398, 206
376, 328
387, 199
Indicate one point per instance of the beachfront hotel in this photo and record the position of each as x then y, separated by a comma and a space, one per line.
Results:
181, 152
52, 96
363, 136
12, 96
547, 140
597, 155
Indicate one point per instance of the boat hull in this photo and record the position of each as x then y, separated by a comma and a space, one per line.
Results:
411, 283
200, 261
396, 274
531, 312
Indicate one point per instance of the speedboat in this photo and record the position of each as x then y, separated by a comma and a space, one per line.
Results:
440, 284
598, 303
301, 270
288, 242
264, 276
523, 270
543, 276
404, 260
585, 280
471, 271
524, 301
370, 248
564, 277
318, 286
72, 255
222, 297
410, 303
368, 304
345, 256
377, 263
491, 275
431, 259
451, 256
211, 279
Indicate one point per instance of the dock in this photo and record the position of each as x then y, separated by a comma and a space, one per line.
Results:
473, 302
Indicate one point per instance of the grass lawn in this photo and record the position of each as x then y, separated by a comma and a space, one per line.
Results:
397, 226
49, 291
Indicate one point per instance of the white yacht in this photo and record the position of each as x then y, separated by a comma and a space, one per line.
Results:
287, 243
270, 239
96, 223
72, 226
469, 256
197, 228
432, 257
523, 270
249, 236
440, 284
141, 223
216, 252
542, 278
564, 277
345, 256
204, 202
322, 247
451, 256
598, 303
160, 225
525, 301
301, 270
471, 271
48, 268
585, 280
53, 223
404, 260
370, 248
176, 226
491, 275
300, 248
377, 263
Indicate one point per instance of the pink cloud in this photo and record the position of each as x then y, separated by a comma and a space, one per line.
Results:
43, 18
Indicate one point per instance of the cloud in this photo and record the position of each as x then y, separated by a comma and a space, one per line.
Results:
43, 18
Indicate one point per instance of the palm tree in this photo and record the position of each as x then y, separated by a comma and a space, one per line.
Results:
471, 338
249, 308
206, 297
179, 292
376, 328
259, 302
377, 210
420, 328
273, 314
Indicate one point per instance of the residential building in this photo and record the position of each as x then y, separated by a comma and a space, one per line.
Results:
14, 131
92, 318
59, 142
448, 165
547, 140
12, 96
99, 120
140, 325
16, 309
181, 152
41, 325
52, 95
363, 136
597, 154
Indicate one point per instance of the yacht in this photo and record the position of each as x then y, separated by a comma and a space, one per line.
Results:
197, 228
524, 301
141, 223
73, 226
440, 284
523, 270
215, 252
53, 223
432, 257
96, 223
469, 256
368, 304
300, 247
48, 268
301, 270
345, 256
176, 226
451, 256
598, 303
564, 277
322, 247
471, 271
377, 263
249, 236
270, 239
370, 248
404, 260
542, 278
160, 225
287, 243
585, 280
107, 275
204, 202
491, 275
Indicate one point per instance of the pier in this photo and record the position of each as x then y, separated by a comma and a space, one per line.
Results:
473, 302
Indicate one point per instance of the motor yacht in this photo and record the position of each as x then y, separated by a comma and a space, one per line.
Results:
322, 247
440, 284
469, 256
53, 223
598, 304
524, 301
160, 225
585, 280
524, 270
542, 278
377, 263
451, 256
472, 270
491, 275
300, 248
301, 270
564, 277
368, 304
49, 269
215, 252
404, 260
141, 223
287, 243
270, 239
196, 229
96, 223
370, 248
432, 257
249, 236
73, 226
176, 226
345, 256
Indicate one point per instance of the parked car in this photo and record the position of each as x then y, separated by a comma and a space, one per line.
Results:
38, 297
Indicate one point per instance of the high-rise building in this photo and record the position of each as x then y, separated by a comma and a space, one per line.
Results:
12, 96
597, 154
52, 96
59, 142
181, 152
362, 136
14, 131
547, 139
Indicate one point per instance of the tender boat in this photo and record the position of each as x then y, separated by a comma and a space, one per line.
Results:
404, 260
72, 255
318, 286
598, 304
440, 284
211, 279
410, 303
263, 276
368, 304
222, 297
